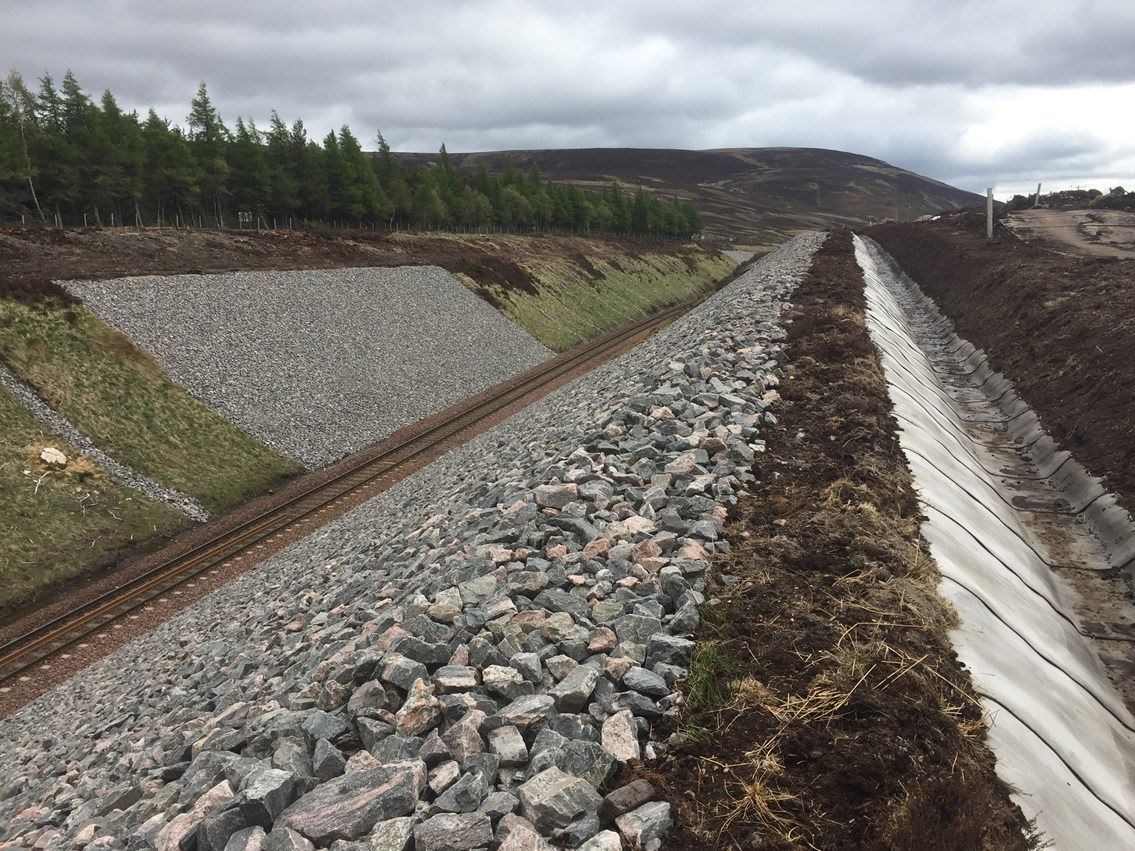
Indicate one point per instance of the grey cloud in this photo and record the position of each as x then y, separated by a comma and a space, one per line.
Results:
888, 78
911, 42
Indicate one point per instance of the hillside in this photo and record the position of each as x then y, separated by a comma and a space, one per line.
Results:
757, 196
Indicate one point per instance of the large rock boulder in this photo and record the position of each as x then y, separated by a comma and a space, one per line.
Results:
348, 807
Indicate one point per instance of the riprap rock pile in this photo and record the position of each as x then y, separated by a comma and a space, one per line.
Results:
466, 661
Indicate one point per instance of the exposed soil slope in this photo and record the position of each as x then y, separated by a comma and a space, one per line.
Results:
825, 705
756, 195
1059, 327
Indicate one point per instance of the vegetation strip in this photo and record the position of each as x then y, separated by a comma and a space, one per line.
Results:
825, 706
67, 160
144, 485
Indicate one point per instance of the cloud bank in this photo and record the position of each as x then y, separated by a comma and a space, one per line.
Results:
998, 92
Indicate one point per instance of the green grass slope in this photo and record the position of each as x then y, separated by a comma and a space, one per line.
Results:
120, 398
55, 524
562, 298
79, 519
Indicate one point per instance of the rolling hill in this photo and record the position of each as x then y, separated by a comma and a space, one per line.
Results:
756, 196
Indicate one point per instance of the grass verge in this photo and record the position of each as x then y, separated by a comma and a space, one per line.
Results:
119, 397
842, 717
564, 297
55, 524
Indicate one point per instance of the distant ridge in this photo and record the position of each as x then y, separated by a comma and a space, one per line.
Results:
753, 195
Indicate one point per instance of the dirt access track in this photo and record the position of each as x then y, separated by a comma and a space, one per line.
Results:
1092, 233
1058, 326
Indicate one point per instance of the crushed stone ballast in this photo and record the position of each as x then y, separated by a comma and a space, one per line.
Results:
468, 659
1027, 543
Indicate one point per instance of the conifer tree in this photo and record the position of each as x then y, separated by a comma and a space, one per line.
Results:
283, 177
248, 177
208, 139
172, 185
363, 198
66, 156
18, 121
56, 182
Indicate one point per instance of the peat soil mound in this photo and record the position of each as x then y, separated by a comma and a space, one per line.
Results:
825, 706
31, 258
1058, 327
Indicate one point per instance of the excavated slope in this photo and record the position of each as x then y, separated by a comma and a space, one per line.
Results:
318, 364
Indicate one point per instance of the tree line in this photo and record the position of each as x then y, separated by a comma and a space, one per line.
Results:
66, 159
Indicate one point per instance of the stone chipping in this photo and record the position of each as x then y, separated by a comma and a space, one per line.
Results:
319, 363
465, 661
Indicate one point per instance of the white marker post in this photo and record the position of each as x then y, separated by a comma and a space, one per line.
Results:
1036, 202
989, 213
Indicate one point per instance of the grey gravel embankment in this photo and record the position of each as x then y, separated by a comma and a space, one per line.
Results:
321, 363
463, 662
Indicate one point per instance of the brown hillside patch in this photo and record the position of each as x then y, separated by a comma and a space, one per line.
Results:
500, 271
592, 271
32, 257
825, 707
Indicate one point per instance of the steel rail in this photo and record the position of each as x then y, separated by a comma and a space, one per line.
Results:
20, 654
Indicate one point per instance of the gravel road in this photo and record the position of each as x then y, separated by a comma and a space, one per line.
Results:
463, 662
318, 364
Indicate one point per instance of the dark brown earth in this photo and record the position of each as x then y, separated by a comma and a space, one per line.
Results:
31, 258
758, 196
825, 707
1059, 327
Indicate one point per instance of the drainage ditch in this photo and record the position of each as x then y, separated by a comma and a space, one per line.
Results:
1036, 556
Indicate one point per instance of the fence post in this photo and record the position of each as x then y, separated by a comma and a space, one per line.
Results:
989, 213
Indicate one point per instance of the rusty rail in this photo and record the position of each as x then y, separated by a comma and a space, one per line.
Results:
20, 654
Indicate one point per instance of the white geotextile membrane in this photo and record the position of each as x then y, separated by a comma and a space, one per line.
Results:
1062, 736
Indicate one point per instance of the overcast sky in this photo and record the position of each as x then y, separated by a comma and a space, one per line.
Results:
995, 92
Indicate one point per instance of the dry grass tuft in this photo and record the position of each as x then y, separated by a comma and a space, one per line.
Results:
758, 797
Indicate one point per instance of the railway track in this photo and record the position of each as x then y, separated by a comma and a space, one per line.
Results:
314, 494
